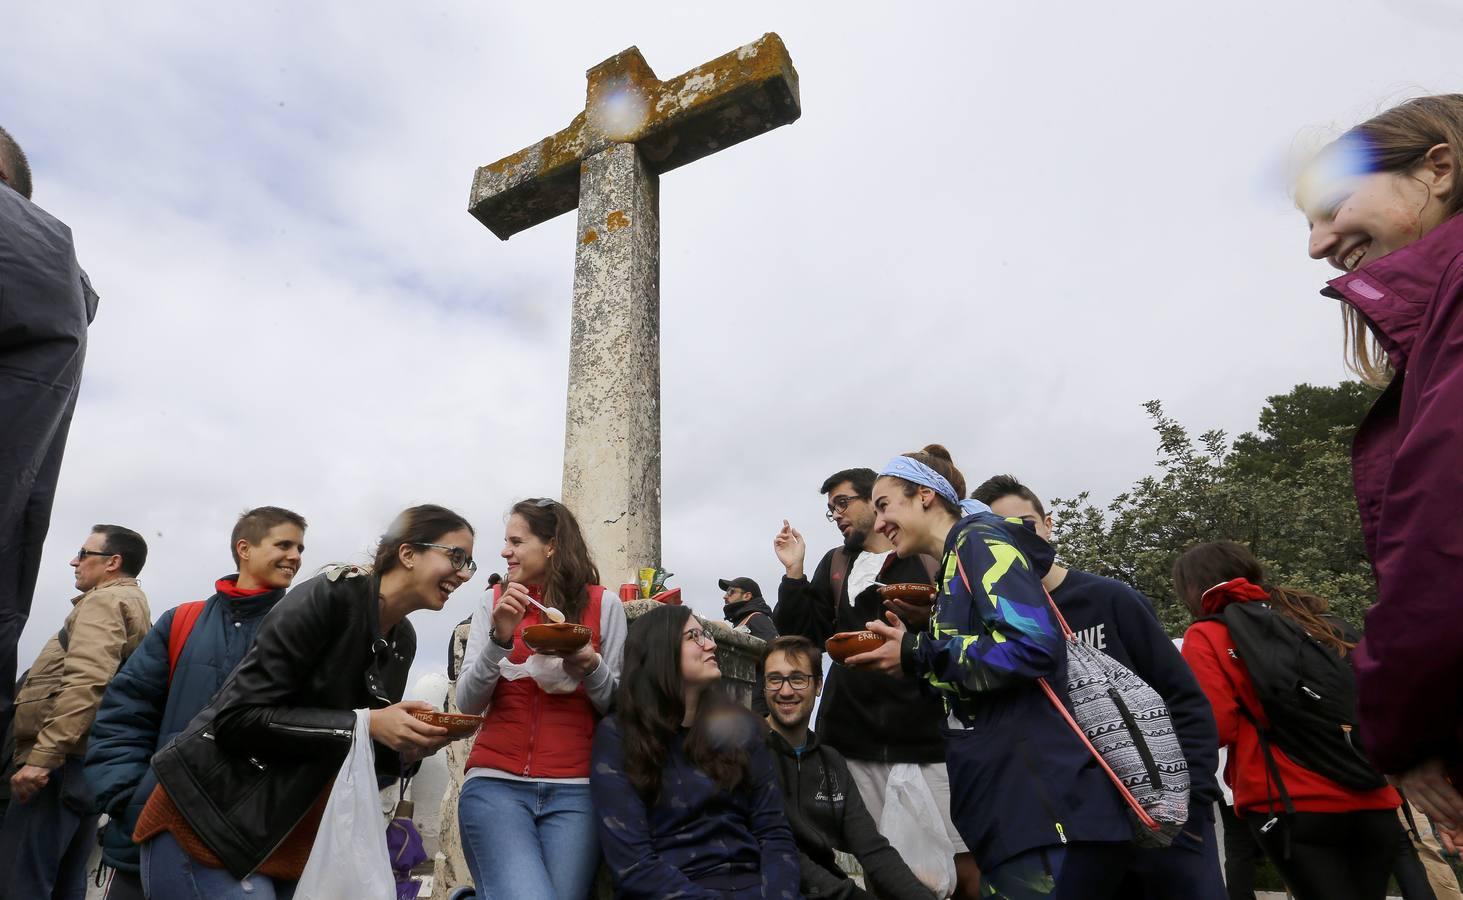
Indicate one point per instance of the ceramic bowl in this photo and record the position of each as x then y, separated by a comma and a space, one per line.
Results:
910, 592
852, 643
457, 725
558, 639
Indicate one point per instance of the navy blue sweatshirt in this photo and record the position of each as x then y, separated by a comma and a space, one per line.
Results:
697, 842
1112, 617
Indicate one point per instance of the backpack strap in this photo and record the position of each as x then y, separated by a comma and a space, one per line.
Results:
1273, 772
184, 618
837, 572
748, 617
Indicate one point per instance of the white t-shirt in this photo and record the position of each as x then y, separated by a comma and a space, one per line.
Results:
865, 571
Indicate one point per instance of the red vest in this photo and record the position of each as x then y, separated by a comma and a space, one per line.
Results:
533, 733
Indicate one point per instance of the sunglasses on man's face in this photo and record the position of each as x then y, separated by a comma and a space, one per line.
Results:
84, 553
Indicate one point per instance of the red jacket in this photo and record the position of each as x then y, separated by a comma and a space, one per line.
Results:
1408, 467
533, 733
1210, 652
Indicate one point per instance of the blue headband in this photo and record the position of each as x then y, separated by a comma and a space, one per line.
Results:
913, 470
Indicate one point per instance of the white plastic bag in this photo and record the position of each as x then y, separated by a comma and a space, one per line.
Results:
548, 671
349, 858
914, 826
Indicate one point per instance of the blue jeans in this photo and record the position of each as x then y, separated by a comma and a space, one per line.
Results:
168, 873
528, 840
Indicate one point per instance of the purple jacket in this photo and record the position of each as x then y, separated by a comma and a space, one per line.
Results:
1408, 468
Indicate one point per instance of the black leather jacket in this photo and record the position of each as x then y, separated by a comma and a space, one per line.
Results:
252, 763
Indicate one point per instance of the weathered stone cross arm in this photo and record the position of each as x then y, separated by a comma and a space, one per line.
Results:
740, 95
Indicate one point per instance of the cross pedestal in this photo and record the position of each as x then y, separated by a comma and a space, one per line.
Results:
608, 163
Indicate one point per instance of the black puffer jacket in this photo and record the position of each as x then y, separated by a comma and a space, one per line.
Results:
249, 766
827, 813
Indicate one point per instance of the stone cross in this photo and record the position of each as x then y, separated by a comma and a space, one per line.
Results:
608, 164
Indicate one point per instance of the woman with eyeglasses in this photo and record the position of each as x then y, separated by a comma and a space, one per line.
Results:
242, 789
525, 813
685, 793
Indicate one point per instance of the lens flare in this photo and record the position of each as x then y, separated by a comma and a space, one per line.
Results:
619, 110
1332, 174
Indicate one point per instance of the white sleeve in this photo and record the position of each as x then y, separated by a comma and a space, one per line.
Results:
602, 682
481, 661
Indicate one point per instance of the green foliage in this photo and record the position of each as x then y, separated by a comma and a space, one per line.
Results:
1285, 491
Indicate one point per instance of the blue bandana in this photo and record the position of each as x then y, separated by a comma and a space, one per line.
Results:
912, 470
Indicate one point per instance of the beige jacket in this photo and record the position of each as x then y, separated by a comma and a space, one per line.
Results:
55, 708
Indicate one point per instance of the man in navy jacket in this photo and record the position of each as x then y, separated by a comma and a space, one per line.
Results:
1114, 618
162, 687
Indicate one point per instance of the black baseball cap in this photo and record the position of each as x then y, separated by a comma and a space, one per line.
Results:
745, 584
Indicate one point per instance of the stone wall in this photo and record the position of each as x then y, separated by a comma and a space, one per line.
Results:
738, 654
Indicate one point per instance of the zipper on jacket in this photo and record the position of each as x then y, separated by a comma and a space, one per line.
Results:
532, 734
306, 729
1041, 792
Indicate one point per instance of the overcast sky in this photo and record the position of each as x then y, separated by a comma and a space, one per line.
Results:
1002, 226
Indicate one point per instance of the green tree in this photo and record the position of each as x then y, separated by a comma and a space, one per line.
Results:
1285, 491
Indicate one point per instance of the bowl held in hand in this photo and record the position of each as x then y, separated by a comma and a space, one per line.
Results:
558, 640
851, 643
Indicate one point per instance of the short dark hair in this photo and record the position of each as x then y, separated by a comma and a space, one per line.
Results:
796, 645
254, 526
16, 166
861, 479
126, 543
998, 486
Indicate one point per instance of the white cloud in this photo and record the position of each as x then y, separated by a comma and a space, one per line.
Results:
1000, 228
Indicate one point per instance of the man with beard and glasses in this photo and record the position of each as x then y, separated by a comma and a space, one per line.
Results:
825, 810
175, 673
874, 720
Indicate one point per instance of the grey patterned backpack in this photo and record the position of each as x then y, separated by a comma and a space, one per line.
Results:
1126, 727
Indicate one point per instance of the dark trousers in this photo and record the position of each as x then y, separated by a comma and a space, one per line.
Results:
1241, 855
1332, 856
1187, 869
44, 844
124, 886
43, 319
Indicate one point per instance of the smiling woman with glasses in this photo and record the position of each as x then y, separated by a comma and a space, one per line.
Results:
254, 768
525, 816
684, 789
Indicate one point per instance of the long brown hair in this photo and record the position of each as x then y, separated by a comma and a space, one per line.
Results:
1398, 141
570, 570
1203, 566
650, 706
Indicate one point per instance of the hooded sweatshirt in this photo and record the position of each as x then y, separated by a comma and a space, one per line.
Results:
1409, 488
1211, 653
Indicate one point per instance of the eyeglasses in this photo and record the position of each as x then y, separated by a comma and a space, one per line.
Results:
798, 681
84, 553
455, 555
700, 637
838, 504
541, 503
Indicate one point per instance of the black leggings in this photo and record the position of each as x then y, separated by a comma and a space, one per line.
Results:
1332, 856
